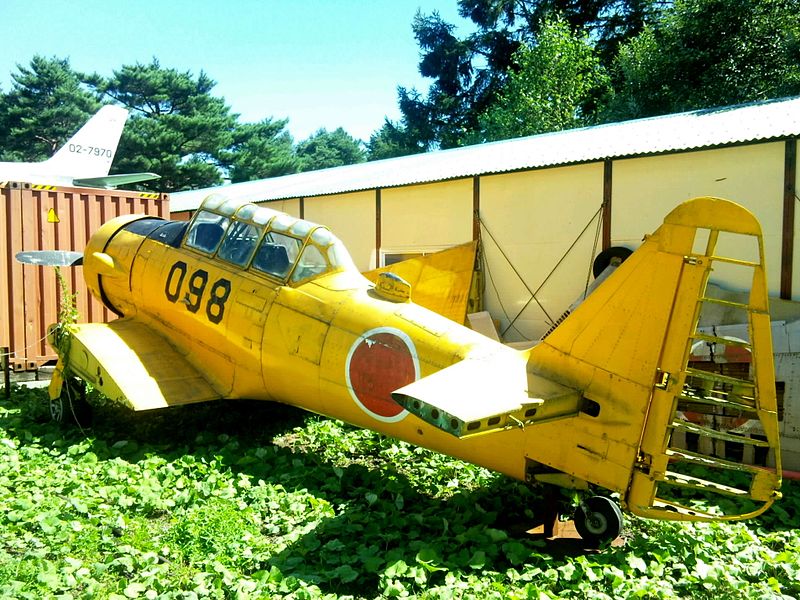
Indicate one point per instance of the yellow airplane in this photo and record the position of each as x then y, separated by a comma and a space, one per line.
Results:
247, 302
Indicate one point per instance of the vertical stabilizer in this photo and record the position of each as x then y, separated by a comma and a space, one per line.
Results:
91, 150
628, 348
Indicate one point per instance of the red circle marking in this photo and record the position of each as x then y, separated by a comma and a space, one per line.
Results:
380, 364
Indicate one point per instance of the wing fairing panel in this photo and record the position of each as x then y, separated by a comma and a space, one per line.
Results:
133, 365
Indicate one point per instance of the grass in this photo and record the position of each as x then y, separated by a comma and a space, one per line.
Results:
256, 500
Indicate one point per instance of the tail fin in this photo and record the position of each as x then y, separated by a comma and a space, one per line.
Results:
628, 347
90, 151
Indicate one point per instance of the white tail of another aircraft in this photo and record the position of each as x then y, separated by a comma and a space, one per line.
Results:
84, 160
90, 151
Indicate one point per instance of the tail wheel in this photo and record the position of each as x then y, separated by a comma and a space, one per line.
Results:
615, 255
71, 406
598, 520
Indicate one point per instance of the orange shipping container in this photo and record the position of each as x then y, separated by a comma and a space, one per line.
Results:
36, 217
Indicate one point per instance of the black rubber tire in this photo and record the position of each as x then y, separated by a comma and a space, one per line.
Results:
71, 407
598, 520
604, 259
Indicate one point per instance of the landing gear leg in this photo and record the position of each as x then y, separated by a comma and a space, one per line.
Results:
598, 519
552, 494
70, 406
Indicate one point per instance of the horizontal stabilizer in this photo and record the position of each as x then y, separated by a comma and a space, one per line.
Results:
478, 395
50, 258
132, 364
114, 181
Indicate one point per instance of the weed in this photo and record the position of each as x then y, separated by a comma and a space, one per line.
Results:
238, 500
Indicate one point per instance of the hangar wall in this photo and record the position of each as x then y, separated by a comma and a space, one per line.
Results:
291, 206
426, 218
646, 189
541, 228
352, 218
795, 295
538, 247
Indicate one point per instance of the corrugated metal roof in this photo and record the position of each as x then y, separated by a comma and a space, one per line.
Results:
705, 128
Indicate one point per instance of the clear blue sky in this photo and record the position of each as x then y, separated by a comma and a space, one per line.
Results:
334, 63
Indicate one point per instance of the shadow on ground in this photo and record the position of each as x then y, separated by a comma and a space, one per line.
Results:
380, 517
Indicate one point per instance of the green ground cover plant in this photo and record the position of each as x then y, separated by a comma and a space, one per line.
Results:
248, 500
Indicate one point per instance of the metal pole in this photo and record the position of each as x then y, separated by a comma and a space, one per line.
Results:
6, 372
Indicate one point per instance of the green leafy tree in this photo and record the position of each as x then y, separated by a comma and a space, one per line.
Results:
706, 53
554, 85
260, 150
177, 128
325, 149
469, 73
460, 88
4, 121
608, 21
390, 141
47, 103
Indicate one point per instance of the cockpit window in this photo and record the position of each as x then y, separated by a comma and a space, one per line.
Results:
239, 243
312, 262
265, 240
276, 254
206, 231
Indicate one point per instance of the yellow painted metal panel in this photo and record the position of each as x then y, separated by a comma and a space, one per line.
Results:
646, 188
427, 217
352, 217
130, 363
534, 218
238, 315
440, 281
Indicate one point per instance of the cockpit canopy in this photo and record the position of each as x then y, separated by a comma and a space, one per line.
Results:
265, 241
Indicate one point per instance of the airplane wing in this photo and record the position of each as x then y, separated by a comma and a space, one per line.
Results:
132, 364
114, 181
478, 395
440, 282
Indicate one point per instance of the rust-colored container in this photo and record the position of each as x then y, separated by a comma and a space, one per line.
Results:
36, 217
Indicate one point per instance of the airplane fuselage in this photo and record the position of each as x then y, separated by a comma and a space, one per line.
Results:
329, 345
250, 303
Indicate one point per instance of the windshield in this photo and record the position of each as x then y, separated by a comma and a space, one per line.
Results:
312, 263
